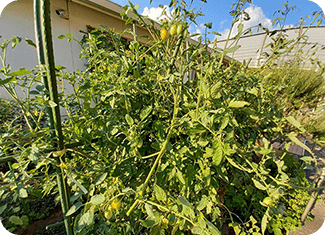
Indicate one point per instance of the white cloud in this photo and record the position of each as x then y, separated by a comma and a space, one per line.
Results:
157, 13
222, 23
256, 16
197, 30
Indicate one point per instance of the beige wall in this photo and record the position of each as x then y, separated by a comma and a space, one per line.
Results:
17, 19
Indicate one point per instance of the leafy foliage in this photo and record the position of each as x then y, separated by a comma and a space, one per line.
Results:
162, 153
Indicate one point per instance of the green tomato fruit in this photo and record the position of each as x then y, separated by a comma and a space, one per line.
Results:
185, 34
173, 30
267, 201
180, 29
108, 214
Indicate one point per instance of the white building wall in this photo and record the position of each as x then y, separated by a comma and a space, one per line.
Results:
251, 45
17, 19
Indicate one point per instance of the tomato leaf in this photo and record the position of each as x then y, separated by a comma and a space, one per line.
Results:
97, 199
74, 208
294, 139
30, 42
7, 80
149, 210
218, 155
15, 220
100, 179
180, 176
196, 230
224, 122
232, 49
23, 193
264, 221
160, 193
129, 120
237, 104
293, 121
20, 72
184, 201
3, 208
213, 229
259, 185
203, 203
145, 112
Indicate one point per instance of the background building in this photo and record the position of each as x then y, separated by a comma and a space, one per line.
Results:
253, 46
67, 17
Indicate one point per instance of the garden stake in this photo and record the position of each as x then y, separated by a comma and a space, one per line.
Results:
44, 15
319, 182
54, 225
41, 59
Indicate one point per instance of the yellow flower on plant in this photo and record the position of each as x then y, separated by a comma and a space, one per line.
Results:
116, 204
36, 113
62, 165
116, 66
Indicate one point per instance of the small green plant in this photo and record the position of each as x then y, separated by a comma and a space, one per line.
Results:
295, 203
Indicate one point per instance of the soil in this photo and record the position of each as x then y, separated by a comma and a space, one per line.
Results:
39, 226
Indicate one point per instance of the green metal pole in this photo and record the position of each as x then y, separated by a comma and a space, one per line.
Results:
50, 68
41, 59
46, 36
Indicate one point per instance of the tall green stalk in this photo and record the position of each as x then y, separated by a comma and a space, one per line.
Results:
44, 36
41, 59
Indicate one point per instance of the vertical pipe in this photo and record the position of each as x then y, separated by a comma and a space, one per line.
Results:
45, 37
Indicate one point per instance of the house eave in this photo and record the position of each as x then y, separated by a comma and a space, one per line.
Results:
115, 10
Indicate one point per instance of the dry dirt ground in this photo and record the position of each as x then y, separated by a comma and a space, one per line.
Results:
317, 226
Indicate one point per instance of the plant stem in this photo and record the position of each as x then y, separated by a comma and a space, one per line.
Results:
162, 151
178, 44
166, 209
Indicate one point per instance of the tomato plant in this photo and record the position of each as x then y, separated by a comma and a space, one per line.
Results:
160, 152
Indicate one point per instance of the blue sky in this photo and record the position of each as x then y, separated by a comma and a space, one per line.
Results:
217, 12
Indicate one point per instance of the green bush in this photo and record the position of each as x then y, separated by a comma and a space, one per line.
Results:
300, 93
